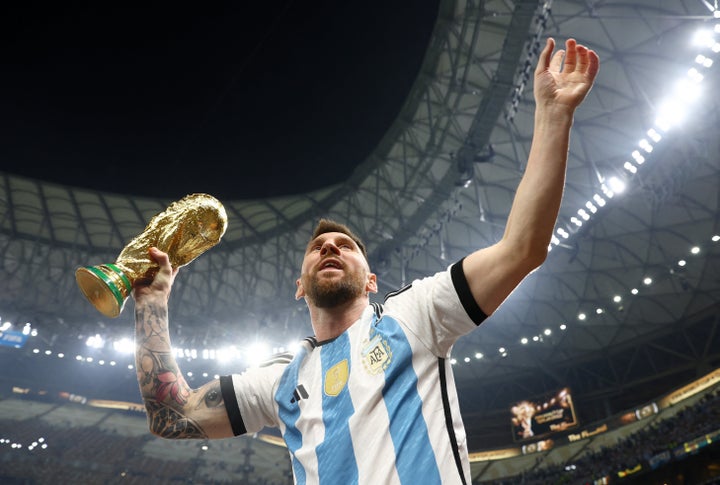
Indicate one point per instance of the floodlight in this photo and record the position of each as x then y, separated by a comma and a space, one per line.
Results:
124, 346
617, 185
95, 341
703, 38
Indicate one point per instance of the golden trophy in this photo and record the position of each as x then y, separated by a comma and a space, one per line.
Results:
186, 229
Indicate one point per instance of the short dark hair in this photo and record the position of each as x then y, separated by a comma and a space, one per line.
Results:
328, 225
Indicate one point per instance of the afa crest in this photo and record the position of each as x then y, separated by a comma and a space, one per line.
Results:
336, 377
376, 355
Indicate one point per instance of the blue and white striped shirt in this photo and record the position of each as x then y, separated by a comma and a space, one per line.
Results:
376, 404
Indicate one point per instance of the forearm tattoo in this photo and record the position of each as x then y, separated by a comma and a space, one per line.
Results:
169, 423
163, 387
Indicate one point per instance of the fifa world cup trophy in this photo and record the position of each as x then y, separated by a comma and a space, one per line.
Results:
186, 229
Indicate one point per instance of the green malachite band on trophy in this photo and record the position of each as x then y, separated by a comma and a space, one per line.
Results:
125, 279
109, 284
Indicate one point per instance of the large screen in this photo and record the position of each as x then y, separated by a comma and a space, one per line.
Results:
532, 419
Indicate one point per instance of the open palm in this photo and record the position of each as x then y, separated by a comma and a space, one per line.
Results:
565, 78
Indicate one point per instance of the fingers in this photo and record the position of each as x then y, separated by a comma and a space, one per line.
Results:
593, 64
162, 259
571, 56
544, 59
580, 58
556, 62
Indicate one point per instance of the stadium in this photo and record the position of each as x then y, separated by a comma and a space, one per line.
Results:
412, 124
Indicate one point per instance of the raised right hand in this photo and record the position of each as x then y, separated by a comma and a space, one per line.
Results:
161, 284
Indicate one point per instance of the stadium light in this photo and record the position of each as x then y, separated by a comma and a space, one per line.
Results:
124, 346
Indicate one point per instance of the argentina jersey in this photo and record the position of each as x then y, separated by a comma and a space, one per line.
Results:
378, 403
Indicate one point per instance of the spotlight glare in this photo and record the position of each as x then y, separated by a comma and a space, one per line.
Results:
647, 280
645, 145
563, 326
682, 263
634, 291
715, 238
524, 340
257, 352
478, 355
547, 331
617, 298
617, 185
95, 341
124, 346
696, 77
226, 354
639, 159
630, 167
671, 113
695, 250
703, 38
654, 135
582, 316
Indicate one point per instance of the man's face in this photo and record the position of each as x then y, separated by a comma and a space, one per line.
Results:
334, 271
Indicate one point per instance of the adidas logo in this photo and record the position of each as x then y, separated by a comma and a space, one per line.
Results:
298, 394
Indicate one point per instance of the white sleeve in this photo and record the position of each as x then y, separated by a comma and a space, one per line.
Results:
250, 397
438, 309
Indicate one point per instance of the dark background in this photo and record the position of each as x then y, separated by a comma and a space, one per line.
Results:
243, 101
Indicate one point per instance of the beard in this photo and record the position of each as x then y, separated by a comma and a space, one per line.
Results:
325, 293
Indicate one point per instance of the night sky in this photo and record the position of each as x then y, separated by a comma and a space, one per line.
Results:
238, 101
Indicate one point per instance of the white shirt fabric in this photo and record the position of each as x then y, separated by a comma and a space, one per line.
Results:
377, 404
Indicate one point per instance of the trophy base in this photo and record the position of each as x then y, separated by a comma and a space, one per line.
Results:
105, 286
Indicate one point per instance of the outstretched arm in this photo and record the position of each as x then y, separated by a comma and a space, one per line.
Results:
560, 86
174, 409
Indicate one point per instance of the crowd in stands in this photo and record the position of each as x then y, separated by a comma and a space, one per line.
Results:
88, 455
662, 436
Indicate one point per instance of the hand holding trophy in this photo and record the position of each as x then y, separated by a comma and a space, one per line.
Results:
186, 229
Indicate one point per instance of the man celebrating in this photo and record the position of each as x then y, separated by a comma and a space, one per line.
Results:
371, 397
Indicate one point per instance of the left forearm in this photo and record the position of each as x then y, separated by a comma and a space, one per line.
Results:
537, 200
